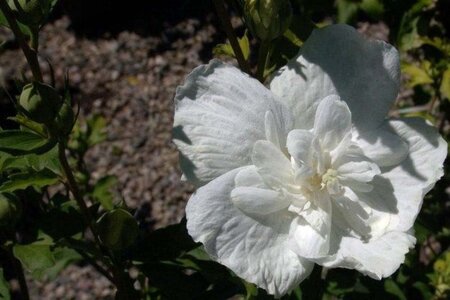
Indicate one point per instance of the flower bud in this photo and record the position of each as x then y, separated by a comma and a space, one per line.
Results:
65, 118
41, 101
267, 19
10, 210
30, 12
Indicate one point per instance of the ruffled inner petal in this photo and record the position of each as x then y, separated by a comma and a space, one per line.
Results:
333, 121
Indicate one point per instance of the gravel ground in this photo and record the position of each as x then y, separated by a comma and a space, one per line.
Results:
130, 80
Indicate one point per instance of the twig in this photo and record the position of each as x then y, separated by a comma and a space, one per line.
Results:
73, 187
93, 263
262, 60
30, 54
228, 28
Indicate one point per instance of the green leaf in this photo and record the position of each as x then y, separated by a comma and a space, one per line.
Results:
445, 84
30, 124
36, 162
49, 160
418, 75
35, 257
62, 258
102, 191
424, 289
3, 21
117, 229
4, 287
18, 142
392, 288
23, 180
227, 50
96, 131
374, 8
346, 11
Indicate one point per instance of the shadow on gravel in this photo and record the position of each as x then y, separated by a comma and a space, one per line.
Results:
92, 19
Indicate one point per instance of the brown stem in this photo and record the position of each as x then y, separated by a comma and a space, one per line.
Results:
73, 187
120, 278
30, 54
262, 60
228, 28
93, 263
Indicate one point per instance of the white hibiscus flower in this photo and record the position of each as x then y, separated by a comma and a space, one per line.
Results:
310, 171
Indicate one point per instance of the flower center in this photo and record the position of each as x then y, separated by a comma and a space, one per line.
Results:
331, 182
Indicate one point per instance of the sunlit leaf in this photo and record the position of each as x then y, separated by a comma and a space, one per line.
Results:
227, 50
418, 75
445, 84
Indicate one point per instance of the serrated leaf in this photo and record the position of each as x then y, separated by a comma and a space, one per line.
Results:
36, 162
417, 75
227, 50
23, 180
103, 191
49, 160
18, 142
34, 257
445, 84
96, 131
62, 258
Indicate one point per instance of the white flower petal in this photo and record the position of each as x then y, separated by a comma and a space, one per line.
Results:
255, 249
333, 122
377, 258
361, 171
300, 146
394, 203
259, 201
272, 165
353, 215
407, 184
218, 117
382, 145
249, 176
338, 60
311, 232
